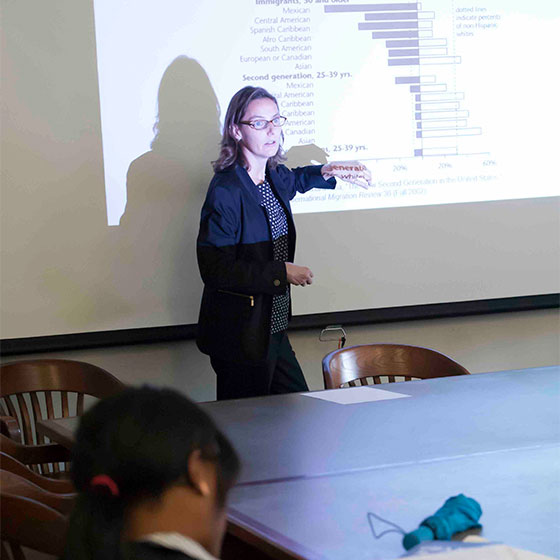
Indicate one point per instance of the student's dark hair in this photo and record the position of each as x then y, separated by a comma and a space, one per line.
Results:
230, 152
141, 439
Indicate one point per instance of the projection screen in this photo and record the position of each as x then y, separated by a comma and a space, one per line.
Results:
450, 103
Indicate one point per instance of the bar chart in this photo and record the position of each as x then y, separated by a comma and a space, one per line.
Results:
407, 30
445, 101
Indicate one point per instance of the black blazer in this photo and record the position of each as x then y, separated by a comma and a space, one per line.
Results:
235, 258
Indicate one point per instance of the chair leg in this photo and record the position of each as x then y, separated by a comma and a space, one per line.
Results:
17, 553
4, 552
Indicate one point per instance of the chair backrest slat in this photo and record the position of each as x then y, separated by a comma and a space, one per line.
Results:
65, 407
49, 404
37, 415
50, 468
11, 407
26, 420
80, 404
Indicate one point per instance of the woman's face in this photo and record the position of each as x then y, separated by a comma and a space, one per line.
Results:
259, 145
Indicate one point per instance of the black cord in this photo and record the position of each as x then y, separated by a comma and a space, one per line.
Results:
395, 527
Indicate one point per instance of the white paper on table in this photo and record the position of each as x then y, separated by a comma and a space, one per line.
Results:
354, 395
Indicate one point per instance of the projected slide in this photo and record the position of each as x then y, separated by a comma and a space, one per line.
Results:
446, 101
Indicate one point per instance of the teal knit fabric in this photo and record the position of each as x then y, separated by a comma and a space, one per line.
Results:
459, 513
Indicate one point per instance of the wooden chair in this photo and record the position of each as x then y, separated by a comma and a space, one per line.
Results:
16, 485
377, 363
11, 464
35, 389
29, 523
28, 498
33, 455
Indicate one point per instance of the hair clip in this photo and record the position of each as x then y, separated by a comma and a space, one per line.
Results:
107, 482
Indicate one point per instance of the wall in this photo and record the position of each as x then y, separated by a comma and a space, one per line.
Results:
480, 343
64, 271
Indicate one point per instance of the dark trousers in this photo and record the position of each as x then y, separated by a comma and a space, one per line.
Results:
281, 373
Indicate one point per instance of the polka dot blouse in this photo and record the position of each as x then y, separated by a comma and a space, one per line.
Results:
279, 228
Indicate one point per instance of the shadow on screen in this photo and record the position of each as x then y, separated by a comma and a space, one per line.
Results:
155, 243
308, 154
152, 253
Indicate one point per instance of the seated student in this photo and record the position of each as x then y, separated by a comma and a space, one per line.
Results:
152, 473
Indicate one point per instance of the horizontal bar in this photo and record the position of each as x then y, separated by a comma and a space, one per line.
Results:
434, 125
457, 96
404, 52
425, 24
391, 16
426, 15
432, 51
396, 7
428, 87
416, 52
425, 33
432, 42
451, 132
387, 25
438, 115
415, 80
403, 43
443, 151
395, 35
407, 80
404, 61
440, 60
451, 106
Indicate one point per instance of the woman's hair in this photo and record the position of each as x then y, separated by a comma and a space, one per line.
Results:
230, 151
141, 439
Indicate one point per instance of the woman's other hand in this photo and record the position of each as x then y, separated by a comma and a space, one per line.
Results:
298, 275
351, 171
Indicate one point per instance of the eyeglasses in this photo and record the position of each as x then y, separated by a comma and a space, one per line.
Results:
261, 124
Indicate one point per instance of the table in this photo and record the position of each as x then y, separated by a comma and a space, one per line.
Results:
313, 468
326, 517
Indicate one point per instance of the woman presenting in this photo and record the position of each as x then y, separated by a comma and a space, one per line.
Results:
246, 247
